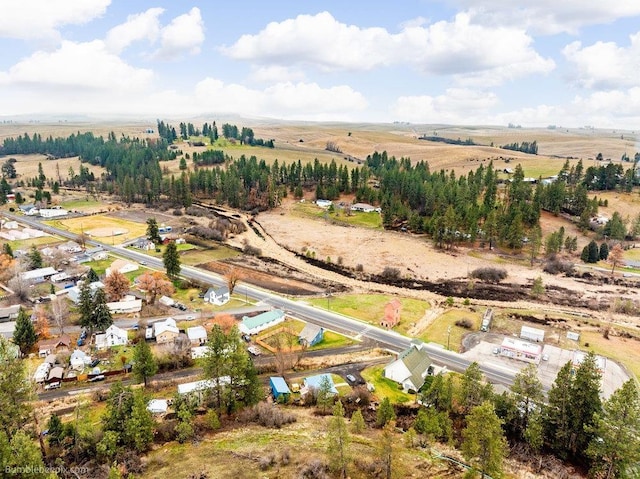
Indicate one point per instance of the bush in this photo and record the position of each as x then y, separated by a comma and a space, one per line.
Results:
251, 250
464, 323
268, 415
177, 212
390, 273
557, 266
489, 274
359, 268
314, 469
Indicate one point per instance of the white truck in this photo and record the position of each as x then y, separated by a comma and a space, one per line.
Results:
486, 320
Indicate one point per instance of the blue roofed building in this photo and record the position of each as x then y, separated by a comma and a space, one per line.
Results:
279, 389
255, 324
315, 383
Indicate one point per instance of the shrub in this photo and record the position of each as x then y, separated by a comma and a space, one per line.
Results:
557, 266
313, 469
268, 415
464, 323
251, 250
177, 212
449, 301
489, 274
359, 268
390, 273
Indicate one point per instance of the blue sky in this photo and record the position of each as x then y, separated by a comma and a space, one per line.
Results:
569, 63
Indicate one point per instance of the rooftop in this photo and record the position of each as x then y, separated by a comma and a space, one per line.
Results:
264, 318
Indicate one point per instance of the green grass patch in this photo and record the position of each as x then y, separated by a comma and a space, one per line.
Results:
100, 266
80, 204
385, 388
438, 330
198, 256
357, 218
332, 340
28, 243
370, 308
632, 254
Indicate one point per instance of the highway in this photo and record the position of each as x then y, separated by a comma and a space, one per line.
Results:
384, 338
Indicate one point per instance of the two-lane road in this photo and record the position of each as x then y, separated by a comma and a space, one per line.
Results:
327, 319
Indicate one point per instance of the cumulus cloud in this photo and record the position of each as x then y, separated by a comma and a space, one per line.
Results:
33, 19
605, 65
141, 26
184, 35
456, 105
442, 48
89, 66
275, 74
549, 16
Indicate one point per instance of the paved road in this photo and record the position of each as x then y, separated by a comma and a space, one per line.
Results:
329, 320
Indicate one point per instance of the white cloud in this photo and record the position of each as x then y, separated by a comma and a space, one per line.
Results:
442, 48
141, 26
456, 105
549, 16
31, 19
184, 35
78, 65
605, 65
276, 74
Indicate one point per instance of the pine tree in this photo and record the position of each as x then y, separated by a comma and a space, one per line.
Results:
15, 390
35, 258
615, 446
604, 251
54, 426
85, 305
385, 413
484, 445
557, 420
153, 233
357, 422
338, 447
101, 317
184, 429
528, 395
144, 363
171, 261
594, 253
138, 433
584, 403
386, 448
24, 334
324, 394
472, 391
92, 276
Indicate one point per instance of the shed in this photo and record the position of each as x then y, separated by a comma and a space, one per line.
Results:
532, 334
158, 406
573, 336
197, 335
279, 388
311, 335
55, 374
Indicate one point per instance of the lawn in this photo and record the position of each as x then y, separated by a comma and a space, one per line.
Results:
198, 256
332, 340
438, 330
370, 308
81, 204
385, 388
28, 243
622, 350
100, 266
357, 218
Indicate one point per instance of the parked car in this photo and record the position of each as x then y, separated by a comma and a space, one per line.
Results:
191, 317
351, 378
254, 350
94, 363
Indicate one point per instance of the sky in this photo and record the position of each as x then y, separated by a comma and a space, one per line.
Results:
535, 63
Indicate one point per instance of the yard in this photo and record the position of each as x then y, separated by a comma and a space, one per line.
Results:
385, 388
438, 330
196, 256
101, 226
356, 218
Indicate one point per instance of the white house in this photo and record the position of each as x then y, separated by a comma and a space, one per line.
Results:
70, 247
197, 335
255, 324
324, 203
166, 331
410, 368
217, 296
79, 359
364, 207
53, 212
131, 305
121, 266
113, 336
38, 275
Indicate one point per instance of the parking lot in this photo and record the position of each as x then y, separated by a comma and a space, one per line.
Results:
614, 375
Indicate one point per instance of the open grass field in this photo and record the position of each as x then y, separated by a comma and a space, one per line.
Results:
28, 243
197, 256
438, 330
623, 350
103, 224
311, 210
370, 308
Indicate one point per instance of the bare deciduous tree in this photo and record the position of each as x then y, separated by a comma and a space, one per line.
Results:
116, 285
232, 278
59, 312
155, 284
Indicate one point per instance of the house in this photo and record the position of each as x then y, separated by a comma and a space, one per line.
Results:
521, 350
410, 368
10, 225
279, 389
199, 352
158, 406
25, 208
144, 244
39, 275
70, 247
9, 313
311, 335
532, 334
166, 301
197, 335
324, 203
34, 233
53, 212
74, 292
217, 296
61, 344
51, 359
166, 331
128, 305
55, 374
364, 207
391, 314
121, 266
113, 336
199, 387
255, 324
314, 383
79, 359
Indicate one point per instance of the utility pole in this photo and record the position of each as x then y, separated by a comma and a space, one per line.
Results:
448, 336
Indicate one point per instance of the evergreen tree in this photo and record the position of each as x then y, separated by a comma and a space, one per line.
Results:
604, 251
584, 403
557, 414
615, 227
92, 276
594, 253
171, 261
357, 422
472, 391
528, 395
24, 334
338, 447
144, 363
386, 449
138, 433
439, 394
15, 390
101, 317
385, 413
615, 446
184, 429
34, 257
6, 249
483, 444
153, 233
85, 306
55, 428
20, 453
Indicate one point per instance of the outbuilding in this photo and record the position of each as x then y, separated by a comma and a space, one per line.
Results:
279, 389
532, 334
